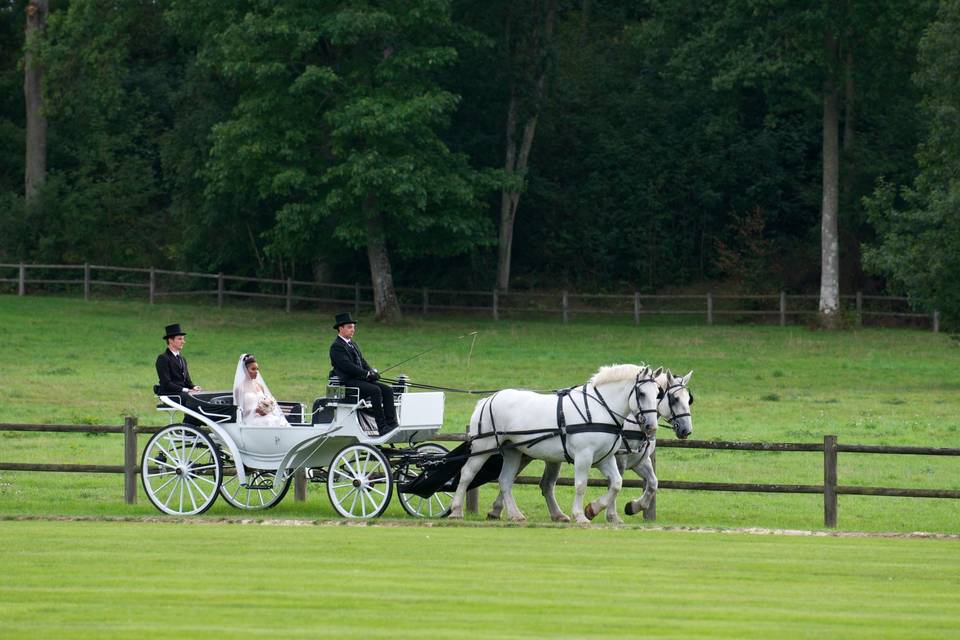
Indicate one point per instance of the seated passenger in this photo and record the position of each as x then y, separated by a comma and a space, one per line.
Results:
257, 406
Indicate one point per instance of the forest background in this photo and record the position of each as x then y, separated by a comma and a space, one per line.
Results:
602, 145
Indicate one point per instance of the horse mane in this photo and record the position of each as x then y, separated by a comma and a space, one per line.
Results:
615, 373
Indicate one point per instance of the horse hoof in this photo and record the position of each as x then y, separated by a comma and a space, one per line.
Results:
493, 516
629, 509
589, 512
518, 518
560, 517
615, 520
583, 521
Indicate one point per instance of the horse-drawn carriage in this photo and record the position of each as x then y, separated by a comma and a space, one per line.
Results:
212, 452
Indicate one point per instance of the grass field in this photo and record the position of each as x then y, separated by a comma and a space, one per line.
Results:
69, 361
121, 580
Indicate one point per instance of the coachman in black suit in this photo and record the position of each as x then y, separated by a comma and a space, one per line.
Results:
172, 368
349, 365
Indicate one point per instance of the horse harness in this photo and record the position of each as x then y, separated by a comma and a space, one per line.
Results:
563, 429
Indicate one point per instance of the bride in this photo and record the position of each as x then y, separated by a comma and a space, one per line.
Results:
250, 393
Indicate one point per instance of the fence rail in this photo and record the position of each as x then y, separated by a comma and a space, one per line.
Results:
164, 283
829, 447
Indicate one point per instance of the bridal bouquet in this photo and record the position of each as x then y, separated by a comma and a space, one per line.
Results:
266, 406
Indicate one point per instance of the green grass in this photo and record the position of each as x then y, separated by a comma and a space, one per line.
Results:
69, 361
113, 580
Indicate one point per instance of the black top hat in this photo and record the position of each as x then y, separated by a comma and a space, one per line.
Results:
342, 319
173, 330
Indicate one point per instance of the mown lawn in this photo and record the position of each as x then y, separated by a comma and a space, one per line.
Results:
121, 580
69, 361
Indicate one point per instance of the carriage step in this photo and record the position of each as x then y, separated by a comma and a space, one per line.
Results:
316, 475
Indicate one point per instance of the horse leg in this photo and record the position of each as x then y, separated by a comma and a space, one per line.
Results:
581, 472
548, 481
497, 507
469, 471
608, 501
511, 466
645, 470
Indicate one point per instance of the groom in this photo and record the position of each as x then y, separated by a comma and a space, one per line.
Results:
353, 371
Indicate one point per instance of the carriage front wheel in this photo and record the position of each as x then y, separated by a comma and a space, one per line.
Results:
359, 482
181, 470
437, 505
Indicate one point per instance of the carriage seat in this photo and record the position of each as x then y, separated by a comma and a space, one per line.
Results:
217, 406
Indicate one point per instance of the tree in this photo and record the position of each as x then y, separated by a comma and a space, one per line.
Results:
336, 132
36, 144
918, 247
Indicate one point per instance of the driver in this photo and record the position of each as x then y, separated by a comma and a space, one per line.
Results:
349, 365
172, 366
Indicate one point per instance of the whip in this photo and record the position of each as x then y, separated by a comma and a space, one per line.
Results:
414, 357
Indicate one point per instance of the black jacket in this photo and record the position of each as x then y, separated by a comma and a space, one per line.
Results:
348, 363
173, 378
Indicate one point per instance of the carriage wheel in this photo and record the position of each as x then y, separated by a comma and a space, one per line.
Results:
437, 505
181, 470
359, 482
259, 493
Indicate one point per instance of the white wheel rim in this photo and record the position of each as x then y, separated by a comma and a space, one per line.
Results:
181, 471
252, 499
359, 482
437, 505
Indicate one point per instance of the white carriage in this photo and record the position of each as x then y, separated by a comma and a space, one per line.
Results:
212, 451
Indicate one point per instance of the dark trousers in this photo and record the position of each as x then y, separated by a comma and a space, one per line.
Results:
381, 397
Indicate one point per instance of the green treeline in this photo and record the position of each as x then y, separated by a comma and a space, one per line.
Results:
612, 145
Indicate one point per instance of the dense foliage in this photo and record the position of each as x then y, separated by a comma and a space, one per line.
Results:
676, 144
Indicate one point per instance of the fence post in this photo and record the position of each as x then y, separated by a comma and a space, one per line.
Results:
130, 460
426, 300
22, 283
859, 308
650, 513
636, 307
153, 284
783, 308
300, 485
289, 294
830, 481
566, 308
356, 298
86, 280
936, 321
220, 289
496, 313
709, 307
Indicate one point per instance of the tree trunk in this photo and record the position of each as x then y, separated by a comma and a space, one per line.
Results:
385, 304
517, 160
36, 142
829, 246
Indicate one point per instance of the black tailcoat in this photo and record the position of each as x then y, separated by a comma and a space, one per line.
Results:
173, 374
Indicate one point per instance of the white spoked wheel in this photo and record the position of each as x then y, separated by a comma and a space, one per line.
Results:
359, 482
181, 470
259, 492
437, 505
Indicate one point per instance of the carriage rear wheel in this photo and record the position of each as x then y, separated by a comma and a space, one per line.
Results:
259, 493
181, 470
359, 482
437, 505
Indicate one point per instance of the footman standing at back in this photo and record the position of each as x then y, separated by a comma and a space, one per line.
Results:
349, 365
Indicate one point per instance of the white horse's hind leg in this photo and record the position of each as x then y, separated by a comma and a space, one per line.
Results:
497, 507
645, 470
581, 472
467, 474
608, 501
511, 465
548, 482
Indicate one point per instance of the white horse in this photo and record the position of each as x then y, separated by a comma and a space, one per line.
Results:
582, 425
673, 405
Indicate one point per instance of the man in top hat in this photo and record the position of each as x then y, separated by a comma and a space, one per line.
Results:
172, 367
349, 365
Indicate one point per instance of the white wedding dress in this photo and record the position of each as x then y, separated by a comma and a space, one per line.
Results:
249, 393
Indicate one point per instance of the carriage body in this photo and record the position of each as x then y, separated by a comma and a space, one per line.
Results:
186, 465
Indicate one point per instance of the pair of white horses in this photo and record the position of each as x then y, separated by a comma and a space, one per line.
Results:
618, 406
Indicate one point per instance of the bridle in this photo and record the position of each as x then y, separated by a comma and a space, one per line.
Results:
674, 417
640, 412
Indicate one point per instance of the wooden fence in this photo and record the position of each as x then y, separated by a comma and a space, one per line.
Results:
163, 284
829, 447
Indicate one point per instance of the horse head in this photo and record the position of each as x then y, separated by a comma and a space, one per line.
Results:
640, 393
675, 401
